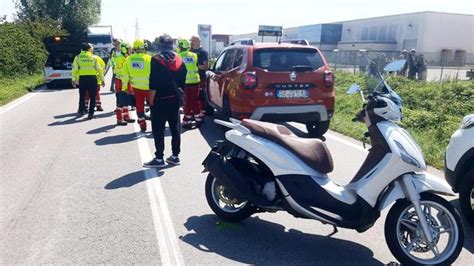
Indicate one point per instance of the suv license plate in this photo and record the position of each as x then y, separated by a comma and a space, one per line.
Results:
291, 94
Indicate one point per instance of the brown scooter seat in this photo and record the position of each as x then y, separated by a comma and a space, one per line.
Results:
312, 151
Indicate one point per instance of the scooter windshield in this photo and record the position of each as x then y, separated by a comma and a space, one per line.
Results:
376, 85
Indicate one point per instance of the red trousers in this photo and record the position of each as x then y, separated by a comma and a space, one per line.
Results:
140, 97
118, 84
191, 106
97, 98
201, 100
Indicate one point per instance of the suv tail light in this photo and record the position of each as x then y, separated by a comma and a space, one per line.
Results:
249, 80
329, 79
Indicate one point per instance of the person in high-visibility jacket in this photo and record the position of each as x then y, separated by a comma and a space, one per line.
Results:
114, 53
191, 90
100, 82
121, 112
85, 71
136, 69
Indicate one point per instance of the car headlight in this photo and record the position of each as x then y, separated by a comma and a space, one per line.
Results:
467, 121
406, 157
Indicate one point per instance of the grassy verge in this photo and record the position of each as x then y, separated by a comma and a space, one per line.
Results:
12, 88
432, 111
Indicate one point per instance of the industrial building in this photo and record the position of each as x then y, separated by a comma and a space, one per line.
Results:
443, 38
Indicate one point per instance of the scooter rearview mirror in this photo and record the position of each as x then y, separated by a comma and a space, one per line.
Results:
394, 66
353, 89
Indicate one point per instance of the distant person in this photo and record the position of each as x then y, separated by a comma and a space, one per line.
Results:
86, 70
192, 110
403, 56
363, 61
203, 65
382, 61
167, 78
121, 112
421, 68
113, 56
100, 83
412, 64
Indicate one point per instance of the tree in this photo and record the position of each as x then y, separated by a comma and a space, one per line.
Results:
73, 15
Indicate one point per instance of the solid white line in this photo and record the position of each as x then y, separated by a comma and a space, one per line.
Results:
19, 101
170, 253
346, 142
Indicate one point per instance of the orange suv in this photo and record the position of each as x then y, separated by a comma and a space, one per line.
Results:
275, 82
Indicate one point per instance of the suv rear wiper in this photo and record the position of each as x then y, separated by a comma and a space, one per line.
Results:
302, 68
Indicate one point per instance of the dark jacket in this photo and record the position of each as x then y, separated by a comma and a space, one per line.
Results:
167, 74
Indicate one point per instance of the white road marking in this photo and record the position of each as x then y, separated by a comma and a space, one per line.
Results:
19, 101
346, 142
167, 241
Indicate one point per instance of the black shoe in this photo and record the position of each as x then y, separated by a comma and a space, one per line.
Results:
99, 108
89, 117
122, 123
130, 120
81, 113
174, 160
143, 130
155, 163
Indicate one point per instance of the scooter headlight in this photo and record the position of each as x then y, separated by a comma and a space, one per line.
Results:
406, 157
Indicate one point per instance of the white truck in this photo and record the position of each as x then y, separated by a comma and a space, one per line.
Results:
101, 37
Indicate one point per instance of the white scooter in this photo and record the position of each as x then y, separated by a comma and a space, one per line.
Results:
264, 167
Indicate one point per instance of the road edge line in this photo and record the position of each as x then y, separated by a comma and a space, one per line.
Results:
164, 229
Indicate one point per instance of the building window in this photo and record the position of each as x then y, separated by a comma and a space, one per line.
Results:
382, 33
365, 34
373, 33
392, 33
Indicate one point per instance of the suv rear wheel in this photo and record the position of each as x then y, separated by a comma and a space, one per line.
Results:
317, 129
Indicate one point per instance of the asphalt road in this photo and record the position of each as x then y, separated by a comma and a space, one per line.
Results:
73, 191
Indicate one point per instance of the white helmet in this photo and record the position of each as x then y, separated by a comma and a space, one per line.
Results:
390, 111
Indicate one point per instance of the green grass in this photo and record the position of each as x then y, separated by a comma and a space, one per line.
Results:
432, 111
12, 88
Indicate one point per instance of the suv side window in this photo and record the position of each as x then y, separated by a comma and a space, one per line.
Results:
239, 56
228, 59
219, 61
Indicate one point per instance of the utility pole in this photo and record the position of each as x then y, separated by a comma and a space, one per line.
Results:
137, 30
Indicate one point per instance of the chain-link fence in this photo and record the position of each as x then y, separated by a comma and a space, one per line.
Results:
440, 67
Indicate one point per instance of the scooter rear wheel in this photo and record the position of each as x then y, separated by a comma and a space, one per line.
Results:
405, 238
224, 204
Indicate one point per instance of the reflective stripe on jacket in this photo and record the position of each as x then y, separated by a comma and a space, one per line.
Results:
136, 69
86, 64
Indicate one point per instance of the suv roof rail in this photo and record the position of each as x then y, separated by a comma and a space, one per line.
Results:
296, 41
247, 41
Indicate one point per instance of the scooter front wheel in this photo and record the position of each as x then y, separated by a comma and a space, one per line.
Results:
227, 207
405, 237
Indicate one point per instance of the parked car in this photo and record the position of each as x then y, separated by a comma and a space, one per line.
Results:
459, 165
275, 82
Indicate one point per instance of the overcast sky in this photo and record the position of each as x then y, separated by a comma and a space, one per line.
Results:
180, 18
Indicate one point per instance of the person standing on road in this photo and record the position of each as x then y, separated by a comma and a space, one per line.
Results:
85, 71
121, 113
136, 69
100, 82
203, 65
191, 90
113, 56
167, 77
412, 64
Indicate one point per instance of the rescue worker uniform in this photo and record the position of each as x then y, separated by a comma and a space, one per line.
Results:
100, 81
85, 70
136, 69
191, 109
121, 112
